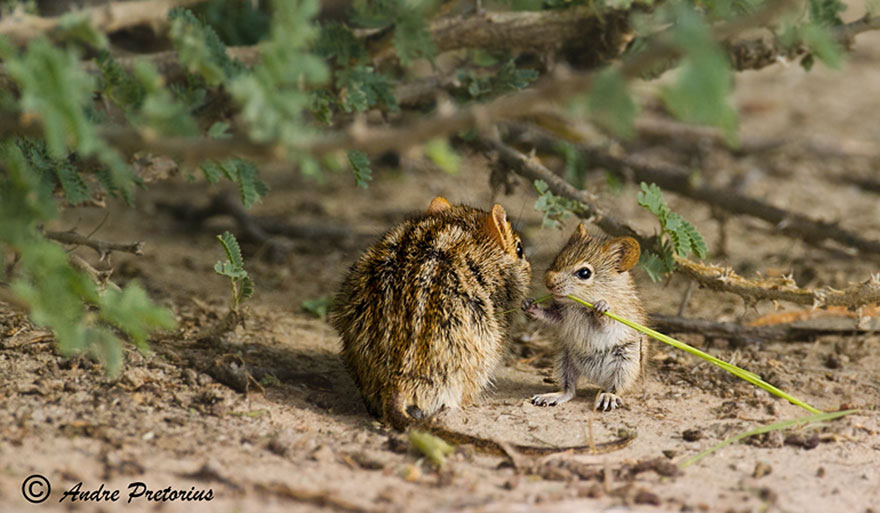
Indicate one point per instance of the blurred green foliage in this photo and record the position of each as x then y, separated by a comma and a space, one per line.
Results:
310, 76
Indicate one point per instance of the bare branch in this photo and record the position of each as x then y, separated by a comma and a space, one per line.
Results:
103, 248
101, 278
112, 16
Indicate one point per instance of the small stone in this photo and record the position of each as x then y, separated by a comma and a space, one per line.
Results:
592, 491
647, 497
761, 470
820, 472
411, 473
323, 454
833, 362
691, 435
670, 453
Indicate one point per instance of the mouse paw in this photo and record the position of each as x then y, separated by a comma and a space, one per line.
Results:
552, 399
600, 307
530, 307
606, 401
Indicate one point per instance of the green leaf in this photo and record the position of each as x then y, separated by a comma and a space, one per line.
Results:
212, 171
697, 243
249, 184
134, 313
55, 89
575, 164
651, 198
78, 27
232, 249
442, 154
507, 78
611, 106
360, 165
555, 208
118, 85
75, 189
338, 42
319, 306
233, 268
160, 111
200, 49
701, 94
823, 45
219, 130
246, 291
412, 40
824, 12
653, 265
273, 97
106, 347
361, 88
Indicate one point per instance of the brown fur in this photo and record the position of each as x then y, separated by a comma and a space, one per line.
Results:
419, 312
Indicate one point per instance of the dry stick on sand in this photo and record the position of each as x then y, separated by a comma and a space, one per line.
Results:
679, 179
717, 278
21, 27
740, 333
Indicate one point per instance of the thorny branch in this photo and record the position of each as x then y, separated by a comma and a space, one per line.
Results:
765, 51
717, 278
601, 35
680, 180
110, 17
560, 85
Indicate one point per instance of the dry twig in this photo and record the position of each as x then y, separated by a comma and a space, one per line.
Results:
110, 17
739, 333
103, 248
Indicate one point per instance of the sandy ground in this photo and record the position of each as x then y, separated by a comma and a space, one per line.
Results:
305, 442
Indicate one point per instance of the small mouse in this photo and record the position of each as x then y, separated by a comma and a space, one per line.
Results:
590, 344
424, 313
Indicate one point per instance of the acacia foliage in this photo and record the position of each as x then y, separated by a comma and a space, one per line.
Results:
313, 75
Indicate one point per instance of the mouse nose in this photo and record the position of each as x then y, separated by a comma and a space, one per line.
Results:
550, 279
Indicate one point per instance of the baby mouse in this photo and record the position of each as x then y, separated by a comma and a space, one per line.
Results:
424, 313
590, 344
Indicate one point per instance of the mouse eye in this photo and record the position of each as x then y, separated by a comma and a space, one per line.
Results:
584, 273
519, 249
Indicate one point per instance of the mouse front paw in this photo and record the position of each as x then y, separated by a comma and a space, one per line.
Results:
552, 399
600, 307
530, 307
606, 401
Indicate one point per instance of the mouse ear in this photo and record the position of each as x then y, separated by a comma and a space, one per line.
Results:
581, 231
627, 251
498, 228
438, 204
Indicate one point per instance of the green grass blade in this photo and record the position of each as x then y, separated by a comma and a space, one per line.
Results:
733, 369
539, 300
766, 429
